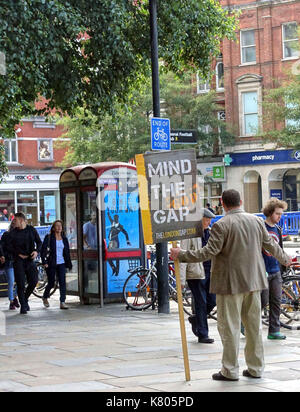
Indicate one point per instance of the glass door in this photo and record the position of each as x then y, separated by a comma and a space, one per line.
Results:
90, 255
70, 225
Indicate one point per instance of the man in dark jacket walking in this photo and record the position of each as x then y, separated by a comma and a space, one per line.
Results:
24, 245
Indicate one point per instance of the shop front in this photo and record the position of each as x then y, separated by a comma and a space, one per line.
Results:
34, 194
261, 175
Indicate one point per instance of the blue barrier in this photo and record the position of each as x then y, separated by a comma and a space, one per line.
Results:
290, 222
42, 231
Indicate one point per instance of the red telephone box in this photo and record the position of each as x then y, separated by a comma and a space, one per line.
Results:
100, 210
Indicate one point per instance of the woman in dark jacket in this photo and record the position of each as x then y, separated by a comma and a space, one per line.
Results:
56, 258
9, 268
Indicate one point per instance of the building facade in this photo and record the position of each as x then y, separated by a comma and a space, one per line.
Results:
32, 185
266, 50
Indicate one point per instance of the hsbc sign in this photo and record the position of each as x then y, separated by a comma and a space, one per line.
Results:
27, 178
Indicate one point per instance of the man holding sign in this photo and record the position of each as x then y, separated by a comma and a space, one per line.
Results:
238, 276
170, 206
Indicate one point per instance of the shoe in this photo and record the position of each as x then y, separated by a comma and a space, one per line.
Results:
276, 336
205, 340
248, 375
219, 377
193, 322
23, 311
46, 303
12, 306
16, 302
27, 307
63, 306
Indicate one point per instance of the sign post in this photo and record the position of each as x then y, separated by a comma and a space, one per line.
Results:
170, 207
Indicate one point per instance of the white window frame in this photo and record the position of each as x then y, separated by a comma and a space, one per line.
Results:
243, 47
51, 159
219, 89
9, 141
249, 84
287, 41
244, 114
206, 85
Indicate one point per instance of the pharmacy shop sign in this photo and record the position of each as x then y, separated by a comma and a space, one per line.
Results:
170, 194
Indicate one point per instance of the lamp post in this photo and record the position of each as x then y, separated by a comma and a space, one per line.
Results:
161, 248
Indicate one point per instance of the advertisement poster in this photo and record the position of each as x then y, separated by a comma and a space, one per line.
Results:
121, 233
170, 195
50, 211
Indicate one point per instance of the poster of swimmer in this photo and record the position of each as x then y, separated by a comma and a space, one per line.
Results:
122, 232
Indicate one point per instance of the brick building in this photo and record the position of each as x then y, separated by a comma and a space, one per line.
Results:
266, 49
32, 186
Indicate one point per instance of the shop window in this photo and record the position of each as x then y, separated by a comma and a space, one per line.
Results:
27, 204
290, 41
49, 206
220, 76
248, 47
11, 150
7, 206
45, 150
250, 113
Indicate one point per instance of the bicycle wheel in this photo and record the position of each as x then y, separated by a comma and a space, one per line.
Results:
42, 282
290, 305
213, 314
140, 290
186, 299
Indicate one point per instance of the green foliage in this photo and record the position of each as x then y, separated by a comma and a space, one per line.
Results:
127, 133
46, 57
281, 117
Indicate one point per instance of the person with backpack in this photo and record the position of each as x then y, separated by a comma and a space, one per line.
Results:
56, 258
23, 245
9, 269
273, 210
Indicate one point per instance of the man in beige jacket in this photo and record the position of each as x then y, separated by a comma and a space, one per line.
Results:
238, 277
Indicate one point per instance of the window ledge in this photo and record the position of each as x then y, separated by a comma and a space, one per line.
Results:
248, 64
290, 58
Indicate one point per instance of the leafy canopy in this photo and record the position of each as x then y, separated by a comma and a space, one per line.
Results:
121, 137
46, 55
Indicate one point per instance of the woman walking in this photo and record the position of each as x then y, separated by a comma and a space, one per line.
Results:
56, 258
9, 269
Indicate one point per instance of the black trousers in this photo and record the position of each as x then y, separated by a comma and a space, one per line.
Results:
25, 270
204, 303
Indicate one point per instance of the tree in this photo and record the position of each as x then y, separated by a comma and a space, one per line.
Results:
93, 54
127, 133
281, 118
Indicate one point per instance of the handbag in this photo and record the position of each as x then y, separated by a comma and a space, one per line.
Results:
48, 250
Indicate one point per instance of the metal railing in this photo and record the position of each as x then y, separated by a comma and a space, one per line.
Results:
290, 222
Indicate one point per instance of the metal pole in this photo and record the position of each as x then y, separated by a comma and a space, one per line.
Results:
162, 248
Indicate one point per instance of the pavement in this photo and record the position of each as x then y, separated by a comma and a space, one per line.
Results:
111, 349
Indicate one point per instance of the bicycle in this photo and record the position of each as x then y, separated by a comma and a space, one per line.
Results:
42, 282
290, 301
140, 289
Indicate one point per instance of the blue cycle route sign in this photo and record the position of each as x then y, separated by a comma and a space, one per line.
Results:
160, 134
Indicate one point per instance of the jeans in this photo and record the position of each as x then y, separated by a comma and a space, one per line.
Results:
204, 303
9, 271
60, 271
25, 269
273, 297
